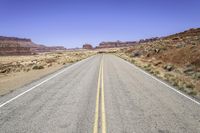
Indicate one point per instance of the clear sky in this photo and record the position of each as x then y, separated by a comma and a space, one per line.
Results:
74, 22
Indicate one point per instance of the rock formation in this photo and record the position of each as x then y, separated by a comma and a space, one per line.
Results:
15, 46
87, 46
22, 46
115, 44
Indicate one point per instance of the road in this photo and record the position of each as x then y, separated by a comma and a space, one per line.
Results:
101, 94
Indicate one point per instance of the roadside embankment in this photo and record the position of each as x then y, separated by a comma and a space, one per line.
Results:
16, 71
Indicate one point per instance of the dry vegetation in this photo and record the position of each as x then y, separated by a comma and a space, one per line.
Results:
175, 58
16, 71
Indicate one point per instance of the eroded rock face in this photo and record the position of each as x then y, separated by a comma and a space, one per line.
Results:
15, 46
43, 48
87, 46
115, 44
21, 46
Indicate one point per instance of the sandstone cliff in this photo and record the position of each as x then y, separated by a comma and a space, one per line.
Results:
22, 46
115, 44
87, 46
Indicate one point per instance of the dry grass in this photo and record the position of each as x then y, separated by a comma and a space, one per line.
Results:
15, 71
176, 77
175, 59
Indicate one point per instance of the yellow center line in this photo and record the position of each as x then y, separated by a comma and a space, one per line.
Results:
95, 128
103, 115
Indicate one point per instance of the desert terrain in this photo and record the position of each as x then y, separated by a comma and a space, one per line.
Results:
16, 71
174, 58
39, 90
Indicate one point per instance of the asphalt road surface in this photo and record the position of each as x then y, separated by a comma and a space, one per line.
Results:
101, 94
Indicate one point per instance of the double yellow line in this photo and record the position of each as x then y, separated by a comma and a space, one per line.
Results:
100, 90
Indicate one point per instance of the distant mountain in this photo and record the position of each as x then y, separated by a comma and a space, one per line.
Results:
23, 46
187, 35
115, 44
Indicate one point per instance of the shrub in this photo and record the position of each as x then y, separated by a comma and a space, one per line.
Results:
26, 69
50, 60
190, 85
132, 61
38, 67
168, 76
194, 93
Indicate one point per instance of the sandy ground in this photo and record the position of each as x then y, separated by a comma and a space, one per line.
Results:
16, 71
12, 81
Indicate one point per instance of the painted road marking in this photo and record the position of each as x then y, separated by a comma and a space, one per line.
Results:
100, 88
170, 87
103, 113
95, 128
21, 94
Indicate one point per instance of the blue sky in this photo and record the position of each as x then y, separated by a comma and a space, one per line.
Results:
74, 22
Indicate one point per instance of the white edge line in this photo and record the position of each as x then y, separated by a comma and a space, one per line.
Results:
162, 82
12, 99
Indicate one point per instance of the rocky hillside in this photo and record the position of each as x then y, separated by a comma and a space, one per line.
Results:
181, 49
22, 46
115, 44
175, 58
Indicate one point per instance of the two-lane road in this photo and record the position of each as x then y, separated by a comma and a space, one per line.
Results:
100, 94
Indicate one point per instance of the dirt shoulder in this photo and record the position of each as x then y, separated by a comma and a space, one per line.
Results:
10, 82
17, 71
173, 74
